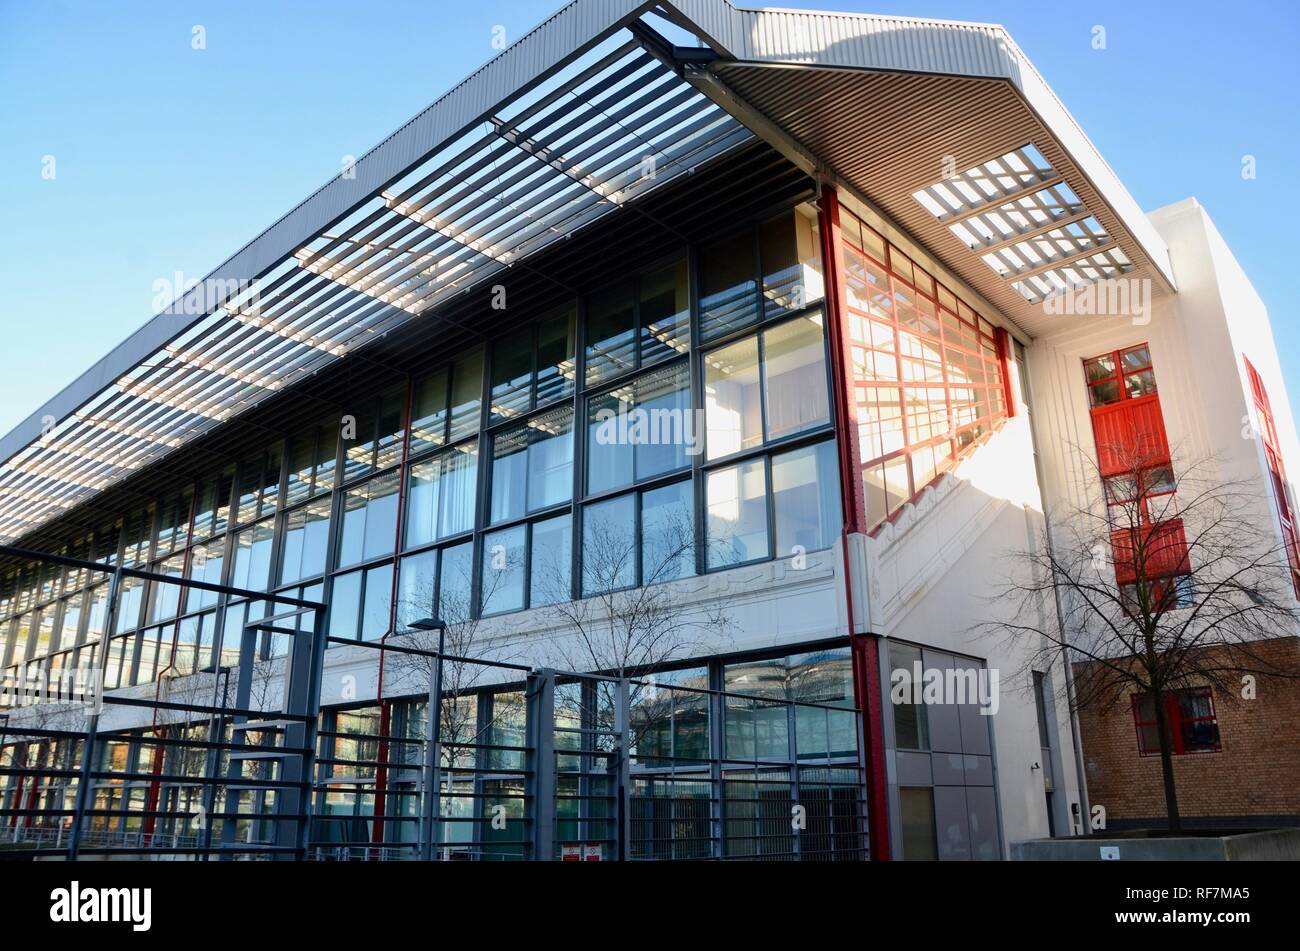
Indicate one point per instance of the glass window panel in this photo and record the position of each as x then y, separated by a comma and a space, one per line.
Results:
732, 408
302, 452
327, 437
306, 533
376, 609
806, 499
164, 599
532, 465
466, 395
668, 533
1134, 359
550, 562
556, 343
1102, 394
512, 375
782, 275
737, 514
429, 411
501, 581
345, 601
369, 520
611, 333
416, 586
611, 458
640, 430
206, 564
1099, 368
441, 496
794, 364
252, 568
456, 578
1142, 383
665, 313
728, 289
609, 548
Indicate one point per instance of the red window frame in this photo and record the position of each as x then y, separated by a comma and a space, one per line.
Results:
1181, 724
905, 299
1282, 496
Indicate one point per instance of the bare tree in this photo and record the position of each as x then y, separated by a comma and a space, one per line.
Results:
1175, 580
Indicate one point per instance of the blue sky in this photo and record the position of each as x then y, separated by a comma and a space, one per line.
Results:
169, 159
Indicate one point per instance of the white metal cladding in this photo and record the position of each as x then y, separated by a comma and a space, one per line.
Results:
609, 126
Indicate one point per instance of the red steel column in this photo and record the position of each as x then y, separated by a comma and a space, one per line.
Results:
866, 667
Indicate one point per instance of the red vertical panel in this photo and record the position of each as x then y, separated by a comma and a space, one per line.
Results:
1004, 357
870, 699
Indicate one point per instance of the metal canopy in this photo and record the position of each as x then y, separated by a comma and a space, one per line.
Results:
592, 135
580, 117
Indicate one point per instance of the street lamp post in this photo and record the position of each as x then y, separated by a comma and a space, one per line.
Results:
433, 755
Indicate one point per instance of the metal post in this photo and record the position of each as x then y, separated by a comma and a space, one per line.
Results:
432, 824
623, 724
540, 694
92, 730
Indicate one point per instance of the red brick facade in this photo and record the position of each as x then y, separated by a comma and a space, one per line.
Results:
1253, 780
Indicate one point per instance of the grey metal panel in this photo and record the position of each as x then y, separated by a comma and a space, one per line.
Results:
949, 769
979, 770
912, 769
974, 725
952, 822
519, 67
982, 811
943, 718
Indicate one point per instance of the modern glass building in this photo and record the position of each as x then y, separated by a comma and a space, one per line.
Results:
697, 367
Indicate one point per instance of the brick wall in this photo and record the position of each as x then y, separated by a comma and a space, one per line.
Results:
1253, 780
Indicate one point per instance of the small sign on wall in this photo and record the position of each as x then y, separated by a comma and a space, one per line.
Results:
1110, 853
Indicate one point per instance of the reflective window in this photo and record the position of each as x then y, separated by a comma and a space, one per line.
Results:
532, 465
369, 526
736, 497
767, 386
533, 366
806, 499
306, 534
928, 376
609, 545
501, 581
360, 603
252, 567
639, 430
728, 288
442, 495
668, 533
372, 438
550, 561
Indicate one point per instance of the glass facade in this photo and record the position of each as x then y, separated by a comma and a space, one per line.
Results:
674, 422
